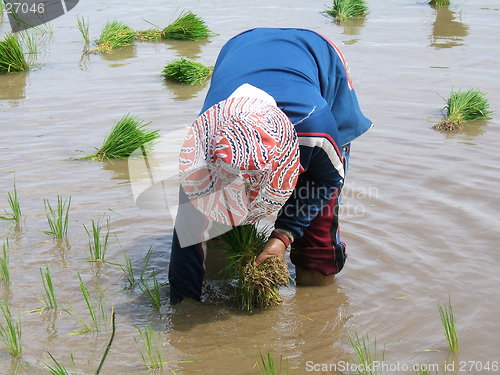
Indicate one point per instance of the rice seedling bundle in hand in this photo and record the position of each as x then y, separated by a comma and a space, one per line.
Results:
258, 286
115, 34
344, 9
187, 26
188, 72
12, 57
463, 106
126, 136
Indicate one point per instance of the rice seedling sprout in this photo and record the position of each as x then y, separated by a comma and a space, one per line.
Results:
152, 290
186, 71
151, 354
258, 286
58, 218
15, 208
127, 135
29, 41
128, 269
188, 26
83, 27
464, 106
114, 34
10, 332
48, 298
344, 9
366, 354
267, 365
12, 57
448, 322
4, 263
113, 329
440, 3
97, 244
56, 368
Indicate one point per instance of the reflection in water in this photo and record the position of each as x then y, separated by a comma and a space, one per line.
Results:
182, 91
118, 167
446, 31
353, 26
12, 85
469, 131
119, 54
188, 48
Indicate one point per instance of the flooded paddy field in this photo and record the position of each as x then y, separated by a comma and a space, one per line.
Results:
419, 215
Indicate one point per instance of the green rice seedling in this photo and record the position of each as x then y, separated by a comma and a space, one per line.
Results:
188, 26
115, 34
151, 343
366, 356
58, 219
152, 290
267, 365
97, 244
258, 286
188, 72
83, 27
15, 214
56, 368
126, 136
439, 3
128, 269
113, 329
48, 298
463, 106
4, 263
448, 322
10, 333
2, 8
29, 41
12, 57
344, 9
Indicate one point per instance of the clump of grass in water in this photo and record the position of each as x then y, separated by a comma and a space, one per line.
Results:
366, 357
258, 286
4, 263
115, 34
344, 9
10, 333
58, 219
48, 299
463, 106
186, 71
126, 136
151, 355
448, 322
439, 3
97, 245
12, 57
15, 214
188, 26
267, 365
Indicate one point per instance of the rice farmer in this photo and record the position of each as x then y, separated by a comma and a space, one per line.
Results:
273, 138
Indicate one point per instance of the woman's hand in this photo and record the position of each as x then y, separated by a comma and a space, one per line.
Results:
274, 247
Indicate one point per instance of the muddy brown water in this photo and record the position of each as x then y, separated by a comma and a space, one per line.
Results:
420, 212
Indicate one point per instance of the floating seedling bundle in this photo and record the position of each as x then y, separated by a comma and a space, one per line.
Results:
344, 9
258, 286
126, 136
12, 57
115, 34
188, 26
188, 72
464, 106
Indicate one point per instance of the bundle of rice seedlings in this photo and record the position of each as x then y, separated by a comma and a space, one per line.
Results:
12, 57
188, 72
439, 3
343, 9
258, 286
188, 26
115, 34
126, 136
151, 35
463, 106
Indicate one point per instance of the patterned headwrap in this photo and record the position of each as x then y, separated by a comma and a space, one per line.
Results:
240, 161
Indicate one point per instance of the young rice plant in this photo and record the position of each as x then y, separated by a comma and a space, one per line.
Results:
58, 218
267, 365
187, 26
448, 322
115, 34
127, 135
4, 263
10, 332
15, 214
344, 9
48, 298
366, 354
151, 343
12, 57
463, 106
188, 72
97, 244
